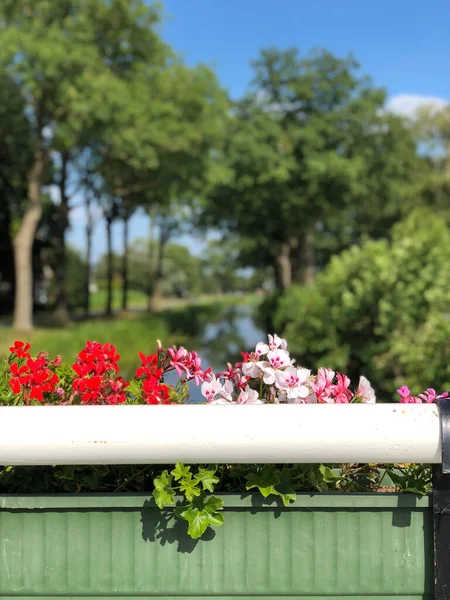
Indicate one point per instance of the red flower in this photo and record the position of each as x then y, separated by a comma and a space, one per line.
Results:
34, 378
20, 349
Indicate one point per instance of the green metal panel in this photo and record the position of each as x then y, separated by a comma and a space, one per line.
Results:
330, 546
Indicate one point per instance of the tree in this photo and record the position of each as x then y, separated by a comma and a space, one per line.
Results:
432, 127
57, 51
306, 147
373, 300
15, 159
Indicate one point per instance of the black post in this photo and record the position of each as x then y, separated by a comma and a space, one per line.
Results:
441, 508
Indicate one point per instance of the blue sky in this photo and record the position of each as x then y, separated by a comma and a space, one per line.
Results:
403, 45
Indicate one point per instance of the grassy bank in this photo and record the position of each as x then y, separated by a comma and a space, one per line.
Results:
131, 333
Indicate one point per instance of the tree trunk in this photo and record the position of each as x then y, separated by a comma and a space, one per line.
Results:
151, 252
125, 264
61, 309
109, 268
284, 267
87, 282
305, 272
156, 299
23, 247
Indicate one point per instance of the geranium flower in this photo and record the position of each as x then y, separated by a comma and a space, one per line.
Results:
248, 396
323, 384
365, 391
277, 342
178, 361
20, 349
342, 395
210, 389
291, 383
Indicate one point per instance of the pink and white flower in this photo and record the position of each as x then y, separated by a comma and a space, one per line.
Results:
365, 391
248, 396
211, 389
277, 342
277, 359
291, 383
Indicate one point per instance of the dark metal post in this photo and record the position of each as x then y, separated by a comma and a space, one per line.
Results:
441, 508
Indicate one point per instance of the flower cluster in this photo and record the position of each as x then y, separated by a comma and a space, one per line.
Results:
269, 375
97, 381
31, 378
153, 367
427, 397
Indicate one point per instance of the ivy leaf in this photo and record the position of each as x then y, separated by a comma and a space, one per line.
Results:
200, 516
265, 481
286, 491
312, 479
198, 521
180, 471
207, 478
212, 506
163, 492
328, 475
189, 487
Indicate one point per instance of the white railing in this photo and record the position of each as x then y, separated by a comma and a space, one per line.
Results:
383, 433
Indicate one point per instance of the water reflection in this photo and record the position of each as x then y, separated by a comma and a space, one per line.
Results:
220, 337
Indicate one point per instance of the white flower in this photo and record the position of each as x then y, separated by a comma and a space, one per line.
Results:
248, 396
366, 391
226, 391
291, 383
211, 388
251, 369
261, 349
277, 342
279, 359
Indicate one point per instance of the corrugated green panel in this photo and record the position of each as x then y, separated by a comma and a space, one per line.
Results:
322, 548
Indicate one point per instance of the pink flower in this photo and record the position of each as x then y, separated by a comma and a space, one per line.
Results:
194, 368
430, 395
178, 360
342, 395
405, 396
322, 387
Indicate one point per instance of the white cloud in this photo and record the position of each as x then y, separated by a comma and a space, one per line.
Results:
408, 104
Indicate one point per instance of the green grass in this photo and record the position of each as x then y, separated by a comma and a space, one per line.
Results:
136, 299
132, 335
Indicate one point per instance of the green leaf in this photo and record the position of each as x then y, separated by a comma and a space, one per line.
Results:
200, 516
328, 475
207, 478
134, 388
189, 487
198, 521
163, 492
266, 480
180, 471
